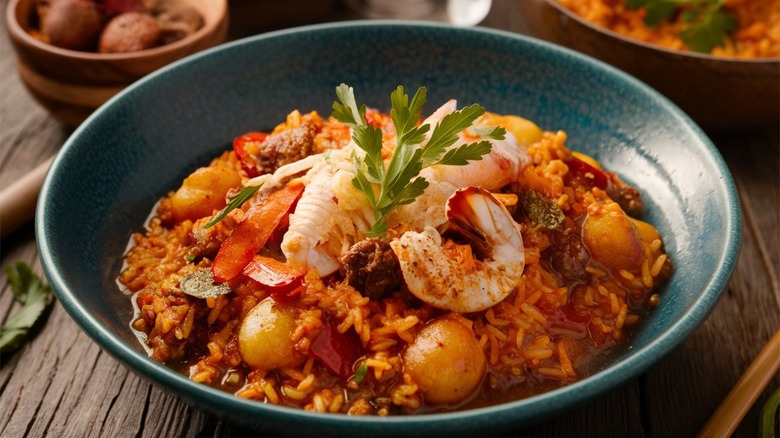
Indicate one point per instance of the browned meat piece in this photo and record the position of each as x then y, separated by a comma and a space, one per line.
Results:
567, 254
371, 267
286, 147
627, 197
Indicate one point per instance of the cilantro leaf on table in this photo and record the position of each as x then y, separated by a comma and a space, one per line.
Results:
387, 186
35, 297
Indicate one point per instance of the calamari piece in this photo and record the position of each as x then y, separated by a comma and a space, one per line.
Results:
436, 278
330, 216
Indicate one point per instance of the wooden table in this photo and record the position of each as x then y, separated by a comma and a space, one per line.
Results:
61, 383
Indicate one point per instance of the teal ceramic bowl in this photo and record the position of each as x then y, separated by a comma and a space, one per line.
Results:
141, 144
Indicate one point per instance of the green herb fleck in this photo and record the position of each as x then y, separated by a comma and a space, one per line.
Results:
236, 201
35, 297
708, 23
709, 31
361, 373
201, 284
387, 186
768, 414
542, 210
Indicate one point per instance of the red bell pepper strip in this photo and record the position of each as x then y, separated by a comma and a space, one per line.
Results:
252, 233
337, 351
579, 168
277, 277
245, 147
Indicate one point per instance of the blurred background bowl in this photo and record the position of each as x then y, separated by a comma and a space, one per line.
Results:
71, 84
721, 94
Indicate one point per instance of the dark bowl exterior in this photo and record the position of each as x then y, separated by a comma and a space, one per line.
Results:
140, 145
720, 94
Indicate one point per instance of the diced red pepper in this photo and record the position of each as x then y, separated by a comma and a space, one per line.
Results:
381, 120
251, 235
337, 351
277, 277
581, 169
246, 147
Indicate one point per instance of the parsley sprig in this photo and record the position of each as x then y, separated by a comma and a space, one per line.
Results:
35, 297
236, 201
708, 23
387, 186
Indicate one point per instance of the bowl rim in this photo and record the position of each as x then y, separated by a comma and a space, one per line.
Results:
654, 47
17, 32
505, 415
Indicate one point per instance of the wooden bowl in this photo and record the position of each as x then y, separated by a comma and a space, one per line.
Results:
721, 94
71, 84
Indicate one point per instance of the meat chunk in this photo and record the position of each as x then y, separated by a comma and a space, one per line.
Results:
626, 196
286, 147
566, 253
371, 267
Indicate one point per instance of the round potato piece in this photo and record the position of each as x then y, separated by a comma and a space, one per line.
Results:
525, 131
203, 192
612, 237
446, 362
264, 337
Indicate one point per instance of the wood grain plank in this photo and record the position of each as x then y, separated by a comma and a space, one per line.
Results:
687, 386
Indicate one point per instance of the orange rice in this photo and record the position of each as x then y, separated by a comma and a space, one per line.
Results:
548, 332
757, 34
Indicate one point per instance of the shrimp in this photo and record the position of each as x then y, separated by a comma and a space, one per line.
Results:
441, 281
500, 167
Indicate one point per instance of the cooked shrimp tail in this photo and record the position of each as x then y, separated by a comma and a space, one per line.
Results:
442, 278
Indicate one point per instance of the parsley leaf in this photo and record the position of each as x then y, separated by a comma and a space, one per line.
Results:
361, 373
398, 183
542, 210
236, 201
35, 297
660, 10
708, 23
709, 31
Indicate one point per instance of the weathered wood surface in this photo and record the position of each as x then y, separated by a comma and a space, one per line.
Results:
62, 384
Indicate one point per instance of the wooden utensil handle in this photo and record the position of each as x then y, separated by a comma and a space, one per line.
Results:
747, 389
17, 201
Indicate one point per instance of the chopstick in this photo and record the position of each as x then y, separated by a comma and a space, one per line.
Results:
17, 201
747, 389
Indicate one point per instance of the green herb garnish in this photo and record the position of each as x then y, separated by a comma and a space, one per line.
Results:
768, 413
708, 23
542, 210
361, 373
201, 284
398, 183
236, 201
35, 297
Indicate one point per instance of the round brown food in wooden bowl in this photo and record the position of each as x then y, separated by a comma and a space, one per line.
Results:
721, 93
61, 67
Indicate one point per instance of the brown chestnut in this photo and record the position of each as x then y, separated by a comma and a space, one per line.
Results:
129, 32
